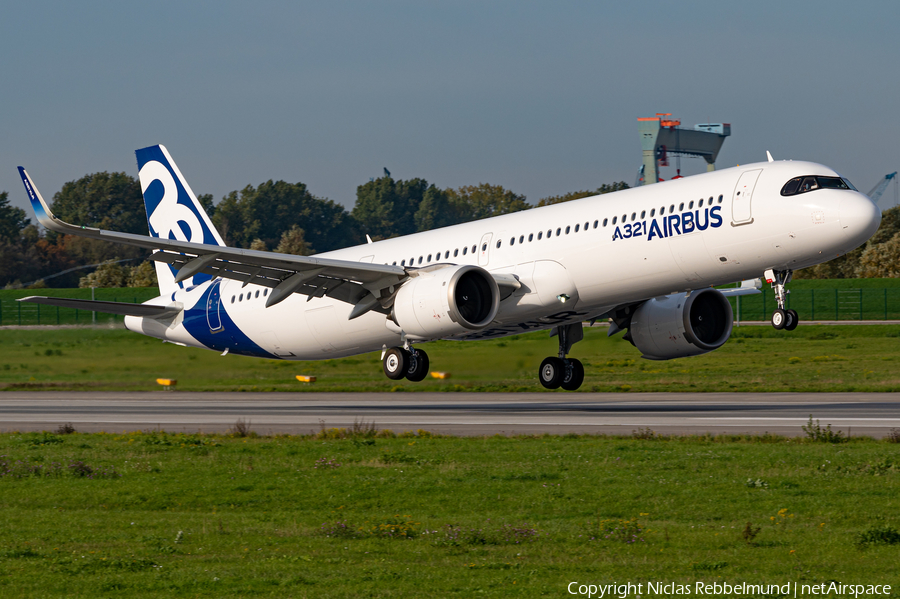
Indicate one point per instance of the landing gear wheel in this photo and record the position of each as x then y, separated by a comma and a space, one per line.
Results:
552, 372
395, 363
574, 375
779, 319
793, 320
417, 369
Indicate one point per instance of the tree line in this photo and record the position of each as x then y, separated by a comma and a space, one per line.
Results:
285, 217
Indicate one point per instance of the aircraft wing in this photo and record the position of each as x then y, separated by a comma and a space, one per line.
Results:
366, 286
120, 308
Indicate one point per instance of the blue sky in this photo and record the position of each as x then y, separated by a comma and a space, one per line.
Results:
539, 97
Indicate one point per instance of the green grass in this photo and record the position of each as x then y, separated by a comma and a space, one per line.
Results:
811, 358
420, 516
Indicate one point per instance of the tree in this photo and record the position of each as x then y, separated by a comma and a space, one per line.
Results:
267, 211
12, 220
474, 202
292, 242
881, 260
435, 210
577, 195
105, 200
387, 208
109, 274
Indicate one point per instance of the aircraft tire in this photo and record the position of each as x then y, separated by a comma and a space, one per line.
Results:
417, 369
574, 375
793, 320
551, 373
395, 363
779, 319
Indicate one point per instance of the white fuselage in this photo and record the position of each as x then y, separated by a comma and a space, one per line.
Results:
573, 252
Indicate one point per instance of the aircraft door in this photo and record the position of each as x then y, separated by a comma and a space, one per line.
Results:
743, 194
213, 303
484, 249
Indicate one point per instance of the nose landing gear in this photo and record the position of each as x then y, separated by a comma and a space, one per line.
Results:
782, 318
568, 373
399, 362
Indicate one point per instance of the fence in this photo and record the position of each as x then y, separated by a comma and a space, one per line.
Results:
26, 313
823, 304
811, 304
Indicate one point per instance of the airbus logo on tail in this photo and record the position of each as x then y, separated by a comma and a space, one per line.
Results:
169, 220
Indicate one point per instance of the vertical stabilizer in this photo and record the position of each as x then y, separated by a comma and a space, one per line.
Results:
173, 211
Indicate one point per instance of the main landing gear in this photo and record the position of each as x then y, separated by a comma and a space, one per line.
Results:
567, 373
781, 318
399, 362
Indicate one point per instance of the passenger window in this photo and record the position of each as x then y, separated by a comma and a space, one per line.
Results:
456, 252
604, 222
512, 241
521, 238
710, 201
473, 249
265, 292
662, 210
498, 243
691, 205
700, 205
596, 223
576, 228
530, 237
446, 254
671, 208
465, 250
643, 214
567, 230
681, 207
720, 199
420, 259
241, 297
540, 235
558, 231
256, 294
549, 233
232, 299
429, 258
652, 212
614, 219
483, 247
633, 216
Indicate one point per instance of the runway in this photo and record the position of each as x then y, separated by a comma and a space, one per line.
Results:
872, 414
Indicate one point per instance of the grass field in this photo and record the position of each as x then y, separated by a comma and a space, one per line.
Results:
811, 358
155, 515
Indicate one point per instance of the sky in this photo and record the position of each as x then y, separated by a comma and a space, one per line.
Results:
540, 97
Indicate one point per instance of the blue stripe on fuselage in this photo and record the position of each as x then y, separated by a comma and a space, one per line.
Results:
229, 337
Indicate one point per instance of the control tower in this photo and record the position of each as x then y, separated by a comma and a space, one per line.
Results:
662, 136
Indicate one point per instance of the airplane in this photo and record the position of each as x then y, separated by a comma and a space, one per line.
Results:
647, 259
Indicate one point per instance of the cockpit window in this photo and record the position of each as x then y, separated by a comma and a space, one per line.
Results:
811, 183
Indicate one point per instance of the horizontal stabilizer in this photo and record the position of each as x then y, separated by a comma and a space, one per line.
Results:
120, 308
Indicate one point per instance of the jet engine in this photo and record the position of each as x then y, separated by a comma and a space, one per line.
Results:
685, 324
446, 301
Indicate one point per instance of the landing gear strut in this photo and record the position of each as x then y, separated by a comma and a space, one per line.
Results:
568, 373
781, 318
399, 362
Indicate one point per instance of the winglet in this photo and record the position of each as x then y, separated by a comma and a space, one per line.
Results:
42, 210
769, 156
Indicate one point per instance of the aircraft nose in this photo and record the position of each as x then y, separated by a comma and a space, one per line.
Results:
860, 217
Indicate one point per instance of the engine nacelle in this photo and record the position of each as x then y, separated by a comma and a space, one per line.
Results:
446, 301
680, 325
